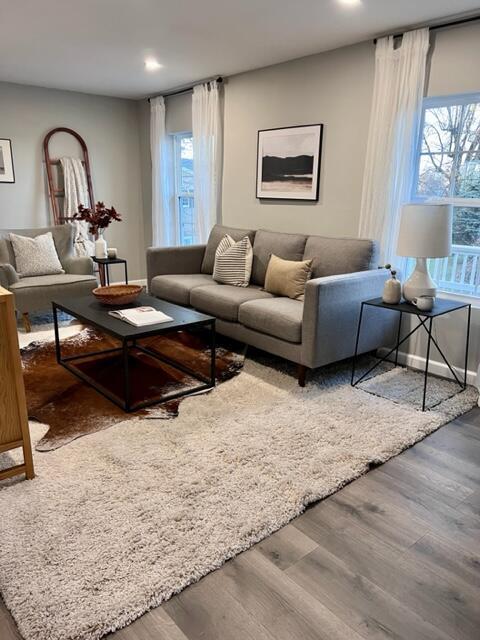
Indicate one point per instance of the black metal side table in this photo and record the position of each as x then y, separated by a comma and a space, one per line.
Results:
425, 319
104, 263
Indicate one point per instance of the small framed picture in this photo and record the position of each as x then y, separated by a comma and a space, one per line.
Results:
288, 162
7, 173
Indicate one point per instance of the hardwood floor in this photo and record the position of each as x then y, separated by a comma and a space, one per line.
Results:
395, 554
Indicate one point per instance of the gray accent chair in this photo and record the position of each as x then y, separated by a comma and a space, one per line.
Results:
313, 332
35, 293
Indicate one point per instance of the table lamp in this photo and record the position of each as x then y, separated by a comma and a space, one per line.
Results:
425, 232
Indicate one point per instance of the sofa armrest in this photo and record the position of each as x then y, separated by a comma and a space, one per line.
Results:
8, 275
330, 317
79, 265
174, 260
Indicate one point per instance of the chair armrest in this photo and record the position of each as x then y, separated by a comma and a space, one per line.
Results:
174, 260
8, 275
330, 317
79, 265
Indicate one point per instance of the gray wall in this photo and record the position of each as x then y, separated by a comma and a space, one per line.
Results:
143, 117
110, 129
178, 113
454, 61
333, 88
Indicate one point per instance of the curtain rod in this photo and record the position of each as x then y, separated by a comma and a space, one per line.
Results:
443, 25
178, 92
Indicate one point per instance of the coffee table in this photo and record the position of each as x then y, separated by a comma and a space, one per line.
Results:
131, 351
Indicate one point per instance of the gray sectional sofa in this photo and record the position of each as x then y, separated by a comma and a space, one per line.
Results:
312, 332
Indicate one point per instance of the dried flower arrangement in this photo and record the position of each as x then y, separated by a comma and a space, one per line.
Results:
99, 218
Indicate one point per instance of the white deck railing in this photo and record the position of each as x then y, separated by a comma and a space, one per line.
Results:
460, 272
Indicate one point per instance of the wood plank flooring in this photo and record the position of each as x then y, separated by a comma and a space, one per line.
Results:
395, 554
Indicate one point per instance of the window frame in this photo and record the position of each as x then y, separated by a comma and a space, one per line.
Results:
430, 102
177, 180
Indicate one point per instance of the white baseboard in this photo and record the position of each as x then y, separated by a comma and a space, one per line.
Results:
435, 366
142, 282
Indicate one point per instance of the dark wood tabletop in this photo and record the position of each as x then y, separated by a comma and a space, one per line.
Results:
93, 312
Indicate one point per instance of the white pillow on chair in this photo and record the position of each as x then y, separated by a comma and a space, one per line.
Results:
35, 256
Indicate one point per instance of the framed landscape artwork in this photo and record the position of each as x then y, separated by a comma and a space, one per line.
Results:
288, 162
6, 161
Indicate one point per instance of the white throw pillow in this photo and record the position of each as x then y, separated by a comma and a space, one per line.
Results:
233, 261
35, 256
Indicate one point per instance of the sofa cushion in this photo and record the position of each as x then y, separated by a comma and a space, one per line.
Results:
224, 300
216, 234
279, 317
288, 246
177, 288
36, 293
52, 281
333, 256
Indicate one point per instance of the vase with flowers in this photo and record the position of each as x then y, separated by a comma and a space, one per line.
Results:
98, 219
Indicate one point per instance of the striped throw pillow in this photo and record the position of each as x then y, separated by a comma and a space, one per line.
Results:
233, 261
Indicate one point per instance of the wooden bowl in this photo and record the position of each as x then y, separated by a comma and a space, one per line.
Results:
117, 294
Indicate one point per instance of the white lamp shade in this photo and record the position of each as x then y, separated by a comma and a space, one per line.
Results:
425, 231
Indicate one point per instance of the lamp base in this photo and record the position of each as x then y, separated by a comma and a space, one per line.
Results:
419, 283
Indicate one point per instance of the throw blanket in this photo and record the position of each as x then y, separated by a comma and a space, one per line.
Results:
76, 193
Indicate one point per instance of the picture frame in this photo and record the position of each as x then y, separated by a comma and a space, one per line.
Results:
7, 172
288, 162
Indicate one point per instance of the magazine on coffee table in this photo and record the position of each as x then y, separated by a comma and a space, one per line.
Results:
140, 316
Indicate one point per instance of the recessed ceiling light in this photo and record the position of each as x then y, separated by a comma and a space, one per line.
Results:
350, 3
152, 65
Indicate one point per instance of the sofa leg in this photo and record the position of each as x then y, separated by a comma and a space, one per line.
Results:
26, 323
302, 373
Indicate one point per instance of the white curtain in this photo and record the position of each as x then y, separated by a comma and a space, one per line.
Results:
164, 226
392, 138
207, 157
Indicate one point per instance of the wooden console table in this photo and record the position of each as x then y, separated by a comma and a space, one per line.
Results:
14, 431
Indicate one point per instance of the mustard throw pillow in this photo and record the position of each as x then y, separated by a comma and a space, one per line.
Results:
287, 277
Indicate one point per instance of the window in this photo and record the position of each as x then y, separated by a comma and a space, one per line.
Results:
183, 154
448, 169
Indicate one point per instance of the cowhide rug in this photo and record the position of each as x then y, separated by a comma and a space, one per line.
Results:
72, 409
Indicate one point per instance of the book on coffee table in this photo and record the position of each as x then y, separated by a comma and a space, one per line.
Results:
141, 316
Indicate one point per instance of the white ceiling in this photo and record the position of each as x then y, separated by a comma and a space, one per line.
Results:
99, 46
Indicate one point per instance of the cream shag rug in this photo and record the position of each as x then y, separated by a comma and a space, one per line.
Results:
406, 386
120, 520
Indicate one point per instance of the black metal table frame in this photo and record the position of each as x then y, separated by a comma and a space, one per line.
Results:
105, 264
422, 323
208, 382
